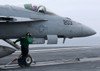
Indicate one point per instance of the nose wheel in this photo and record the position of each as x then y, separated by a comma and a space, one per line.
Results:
25, 61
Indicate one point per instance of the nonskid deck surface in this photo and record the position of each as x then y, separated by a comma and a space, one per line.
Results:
57, 59
48, 63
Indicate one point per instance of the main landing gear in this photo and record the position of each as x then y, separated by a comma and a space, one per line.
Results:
24, 61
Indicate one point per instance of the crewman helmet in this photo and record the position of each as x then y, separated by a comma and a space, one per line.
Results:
28, 34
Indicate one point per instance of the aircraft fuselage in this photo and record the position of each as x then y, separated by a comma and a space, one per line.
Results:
54, 25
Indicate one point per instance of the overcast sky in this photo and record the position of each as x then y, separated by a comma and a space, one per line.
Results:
86, 12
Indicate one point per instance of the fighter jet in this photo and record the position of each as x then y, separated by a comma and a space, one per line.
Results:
44, 25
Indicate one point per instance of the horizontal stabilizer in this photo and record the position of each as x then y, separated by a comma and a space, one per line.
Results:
19, 19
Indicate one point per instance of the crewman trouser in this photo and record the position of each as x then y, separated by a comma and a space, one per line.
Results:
24, 50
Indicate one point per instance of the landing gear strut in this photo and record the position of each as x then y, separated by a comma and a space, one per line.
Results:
24, 61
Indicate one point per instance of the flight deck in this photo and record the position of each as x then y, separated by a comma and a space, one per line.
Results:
58, 59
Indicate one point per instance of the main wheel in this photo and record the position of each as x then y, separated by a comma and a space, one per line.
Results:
25, 61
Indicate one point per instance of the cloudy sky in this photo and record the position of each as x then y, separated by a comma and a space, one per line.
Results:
83, 11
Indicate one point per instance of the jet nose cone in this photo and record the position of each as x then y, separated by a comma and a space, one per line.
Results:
88, 31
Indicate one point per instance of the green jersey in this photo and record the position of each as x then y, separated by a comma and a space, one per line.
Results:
24, 41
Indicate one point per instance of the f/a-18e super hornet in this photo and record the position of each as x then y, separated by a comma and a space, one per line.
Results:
44, 25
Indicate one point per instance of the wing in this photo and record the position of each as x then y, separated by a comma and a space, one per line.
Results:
19, 19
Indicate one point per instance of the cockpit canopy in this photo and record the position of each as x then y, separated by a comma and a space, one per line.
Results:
41, 8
